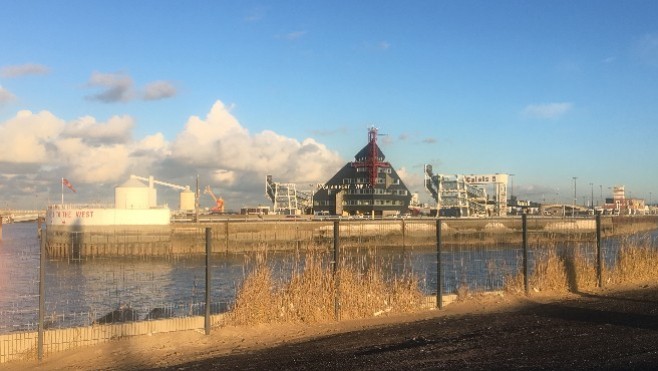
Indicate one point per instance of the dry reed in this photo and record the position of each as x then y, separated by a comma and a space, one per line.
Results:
636, 262
572, 271
310, 293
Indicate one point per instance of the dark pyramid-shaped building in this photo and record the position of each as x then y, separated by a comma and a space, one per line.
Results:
369, 185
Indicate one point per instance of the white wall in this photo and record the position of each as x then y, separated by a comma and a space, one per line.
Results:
96, 216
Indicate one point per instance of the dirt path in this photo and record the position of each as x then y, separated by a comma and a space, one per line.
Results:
607, 329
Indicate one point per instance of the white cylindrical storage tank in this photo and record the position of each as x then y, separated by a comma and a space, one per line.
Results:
153, 197
132, 194
187, 200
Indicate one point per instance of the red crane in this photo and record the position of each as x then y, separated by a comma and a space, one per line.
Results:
219, 202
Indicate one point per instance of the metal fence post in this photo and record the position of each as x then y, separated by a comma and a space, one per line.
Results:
42, 290
208, 288
404, 232
439, 271
599, 260
227, 235
524, 227
335, 270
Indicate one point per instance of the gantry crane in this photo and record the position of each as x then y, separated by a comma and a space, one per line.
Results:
286, 199
219, 202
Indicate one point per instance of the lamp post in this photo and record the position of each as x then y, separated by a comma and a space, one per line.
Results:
601, 189
591, 186
575, 200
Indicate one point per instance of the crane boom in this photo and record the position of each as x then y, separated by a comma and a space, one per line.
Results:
219, 202
152, 181
209, 191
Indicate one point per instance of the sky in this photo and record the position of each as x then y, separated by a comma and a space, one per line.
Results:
231, 91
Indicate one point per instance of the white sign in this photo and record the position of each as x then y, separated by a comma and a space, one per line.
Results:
486, 178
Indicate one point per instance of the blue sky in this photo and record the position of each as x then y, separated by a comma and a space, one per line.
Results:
95, 91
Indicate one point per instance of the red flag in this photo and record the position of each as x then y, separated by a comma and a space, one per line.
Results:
68, 184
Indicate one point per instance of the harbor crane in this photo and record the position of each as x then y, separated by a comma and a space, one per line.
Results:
152, 181
219, 202
187, 197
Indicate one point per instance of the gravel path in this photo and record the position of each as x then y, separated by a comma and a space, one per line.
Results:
603, 330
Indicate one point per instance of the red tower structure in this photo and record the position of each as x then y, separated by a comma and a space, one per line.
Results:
372, 160
369, 185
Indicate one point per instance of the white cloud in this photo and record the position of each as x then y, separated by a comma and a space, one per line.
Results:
155, 143
24, 70
40, 148
159, 90
5, 96
117, 87
546, 110
93, 164
27, 137
84, 149
220, 142
413, 180
117, 129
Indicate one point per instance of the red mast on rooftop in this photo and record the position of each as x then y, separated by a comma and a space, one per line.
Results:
371, 161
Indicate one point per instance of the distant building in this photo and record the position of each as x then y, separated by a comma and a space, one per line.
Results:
366, 186
620, 205
255, 210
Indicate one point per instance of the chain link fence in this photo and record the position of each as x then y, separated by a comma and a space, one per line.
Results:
98, 286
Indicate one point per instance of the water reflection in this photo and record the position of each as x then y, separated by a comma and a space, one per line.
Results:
79, 293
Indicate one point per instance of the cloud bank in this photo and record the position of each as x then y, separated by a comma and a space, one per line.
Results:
40, 149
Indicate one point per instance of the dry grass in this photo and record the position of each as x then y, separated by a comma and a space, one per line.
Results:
637, 261
572, 271
550, 273
557, 272
309, 295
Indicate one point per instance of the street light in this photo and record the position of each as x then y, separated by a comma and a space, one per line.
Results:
591, 186
573, 211
601, 189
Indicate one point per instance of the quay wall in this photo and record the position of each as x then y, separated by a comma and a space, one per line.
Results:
76, 242
236, 236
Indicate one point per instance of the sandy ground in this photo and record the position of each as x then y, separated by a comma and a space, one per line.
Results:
612, 328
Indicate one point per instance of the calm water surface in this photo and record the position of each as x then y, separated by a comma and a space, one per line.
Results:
78, 293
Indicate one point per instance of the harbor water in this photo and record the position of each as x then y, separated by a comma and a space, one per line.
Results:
80, 292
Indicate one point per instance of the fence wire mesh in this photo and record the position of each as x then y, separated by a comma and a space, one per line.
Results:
125, 276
